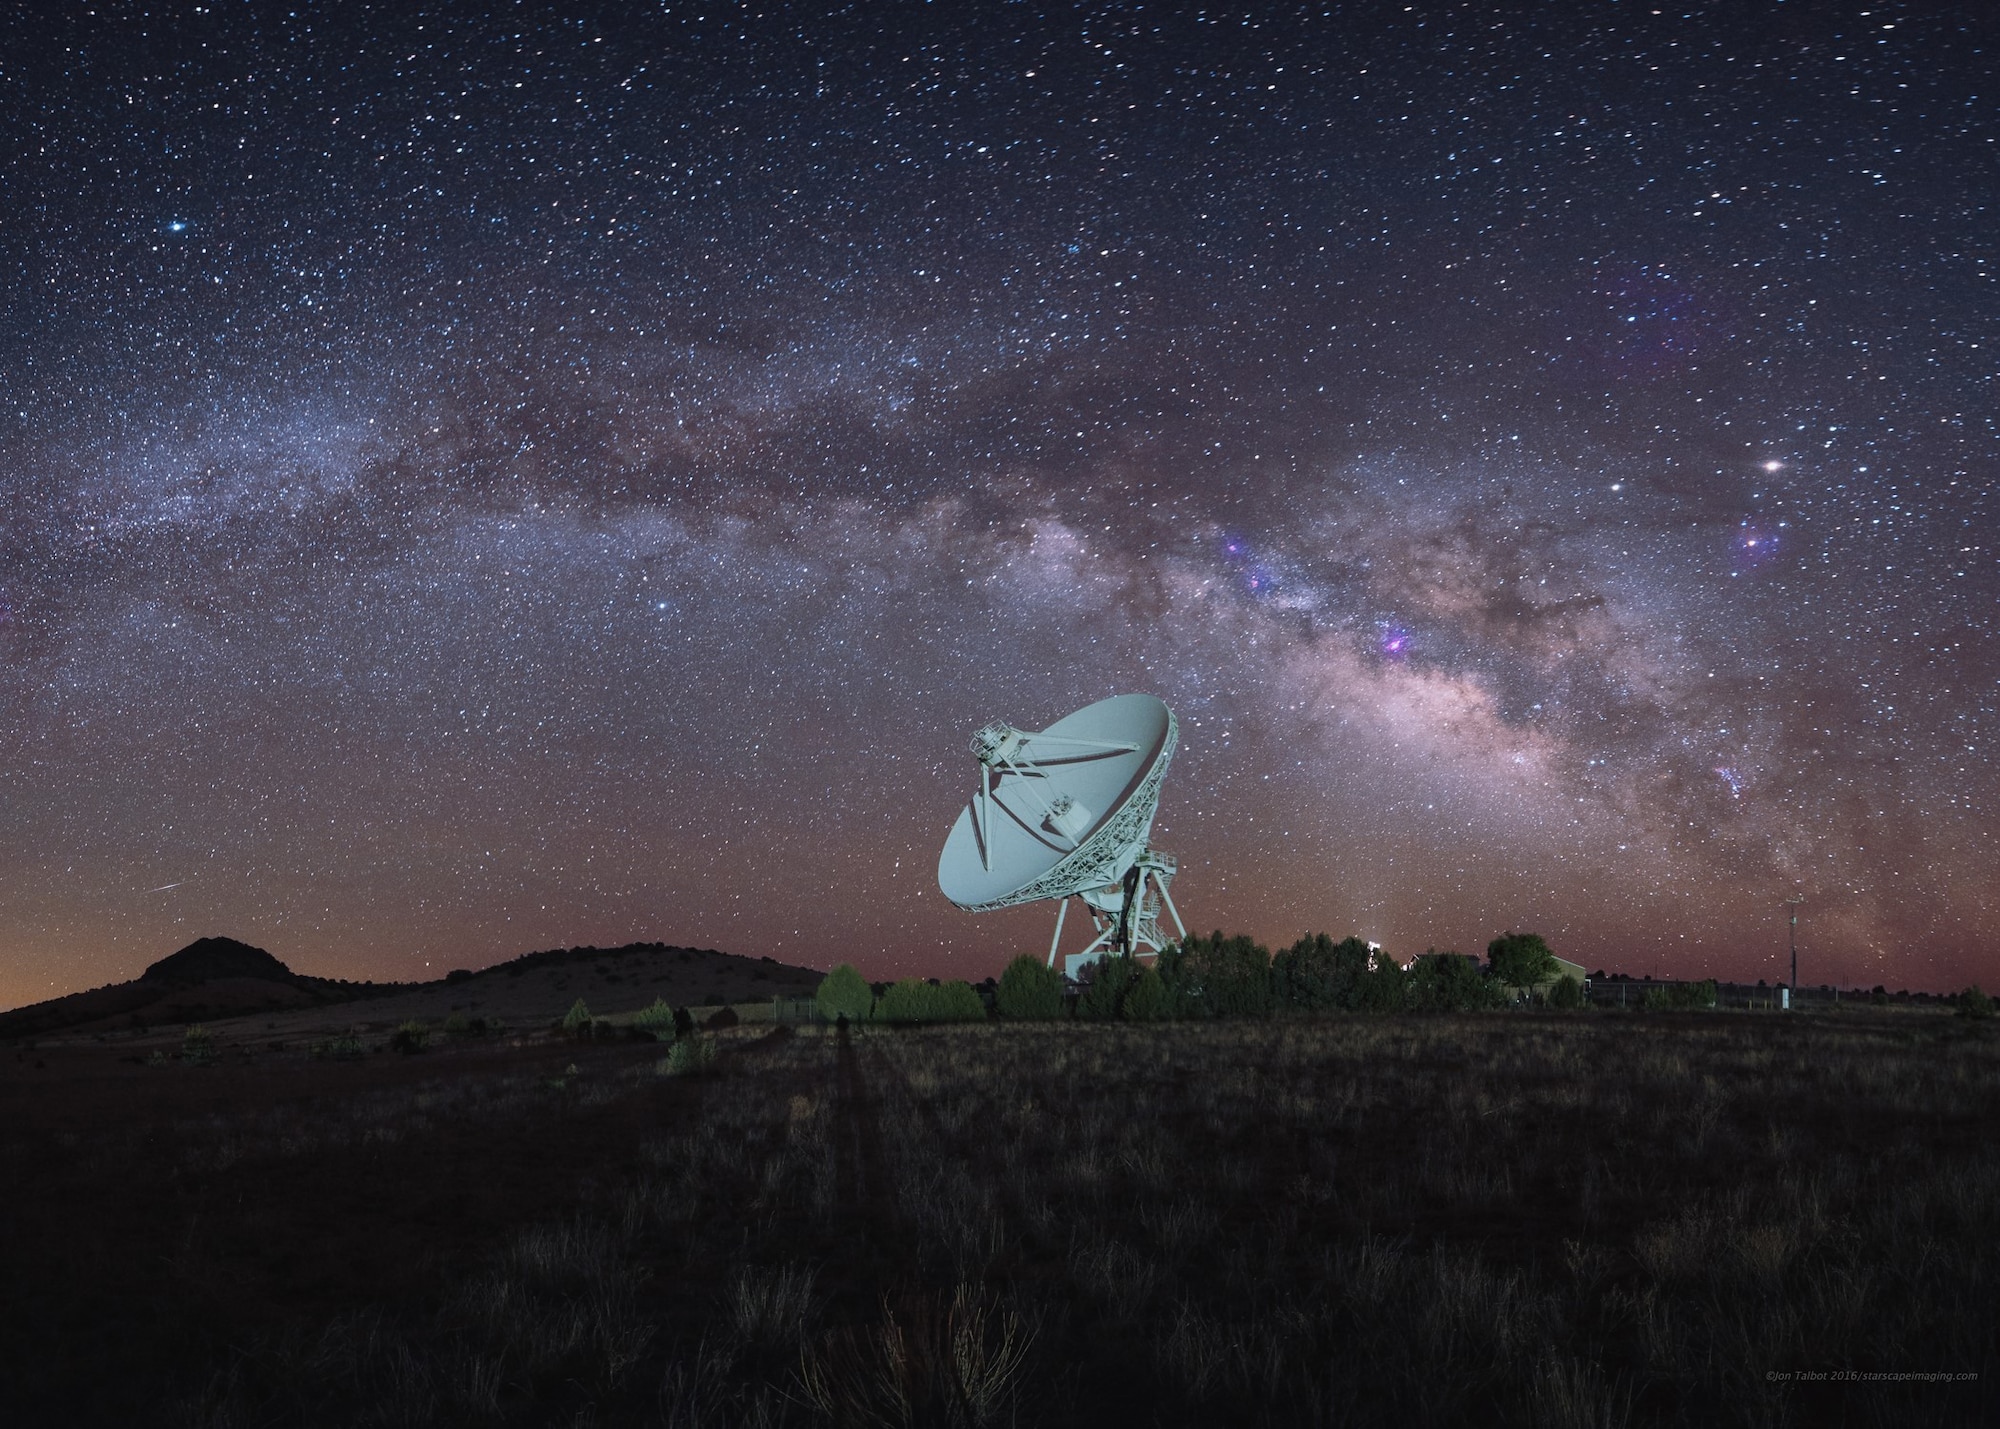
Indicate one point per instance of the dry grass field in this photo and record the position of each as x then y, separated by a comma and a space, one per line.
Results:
1596, 1219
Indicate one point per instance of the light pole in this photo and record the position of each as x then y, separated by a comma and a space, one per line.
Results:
1793, 904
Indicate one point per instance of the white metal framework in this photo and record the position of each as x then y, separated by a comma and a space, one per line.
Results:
1126, 913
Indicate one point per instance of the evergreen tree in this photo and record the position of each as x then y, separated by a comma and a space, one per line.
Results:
1216, 976
959, 1001
844, 993
1146, 998
1105, 992
1382, 987
1030, 990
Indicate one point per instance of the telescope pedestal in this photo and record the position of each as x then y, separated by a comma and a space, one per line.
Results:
1125, 915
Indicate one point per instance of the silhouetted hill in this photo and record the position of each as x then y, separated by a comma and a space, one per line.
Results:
210, 977
207, 959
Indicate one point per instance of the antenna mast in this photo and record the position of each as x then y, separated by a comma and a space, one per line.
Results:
1793, 904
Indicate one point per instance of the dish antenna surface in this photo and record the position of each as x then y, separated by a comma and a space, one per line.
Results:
1066, 812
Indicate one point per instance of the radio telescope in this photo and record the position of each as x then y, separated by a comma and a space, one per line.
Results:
1065, 813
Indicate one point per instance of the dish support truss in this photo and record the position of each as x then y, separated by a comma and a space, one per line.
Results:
1126, 914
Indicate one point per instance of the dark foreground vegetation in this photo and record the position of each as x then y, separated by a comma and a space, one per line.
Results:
1546, 1219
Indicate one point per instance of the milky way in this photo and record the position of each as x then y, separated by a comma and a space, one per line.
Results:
477, 481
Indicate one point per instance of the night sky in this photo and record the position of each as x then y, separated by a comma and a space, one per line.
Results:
484, 478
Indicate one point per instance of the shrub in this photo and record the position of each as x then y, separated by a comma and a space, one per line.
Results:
905, 1002
458, 1025
916, 1000
576, 1022
657, 1019
344, 1048
197, 1046
1680, 995
720, 1018
1566, 995
1030, 990
412, 1036
1974, 1004
689, 1057
844, 993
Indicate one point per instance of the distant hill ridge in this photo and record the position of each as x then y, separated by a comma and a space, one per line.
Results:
557, 957
218, 977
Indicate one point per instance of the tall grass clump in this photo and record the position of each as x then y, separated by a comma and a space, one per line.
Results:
197, 1046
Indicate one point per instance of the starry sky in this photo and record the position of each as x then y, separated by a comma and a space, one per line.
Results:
483, 478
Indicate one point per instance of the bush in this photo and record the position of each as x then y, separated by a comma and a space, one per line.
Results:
844, 993
657, 1019
1974, 1004
1030, 990
197, 1046
906, 1001
689, 1057
1566, 995
720, 1018
345, 1048
576, 1022
458, 1025
412, 1036
1679, 996
915, 1000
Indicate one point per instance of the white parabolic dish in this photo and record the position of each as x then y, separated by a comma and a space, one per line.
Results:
1075, 818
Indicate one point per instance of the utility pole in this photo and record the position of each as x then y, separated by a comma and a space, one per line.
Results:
1793, 904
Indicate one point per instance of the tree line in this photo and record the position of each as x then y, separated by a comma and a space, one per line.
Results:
1221, 976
